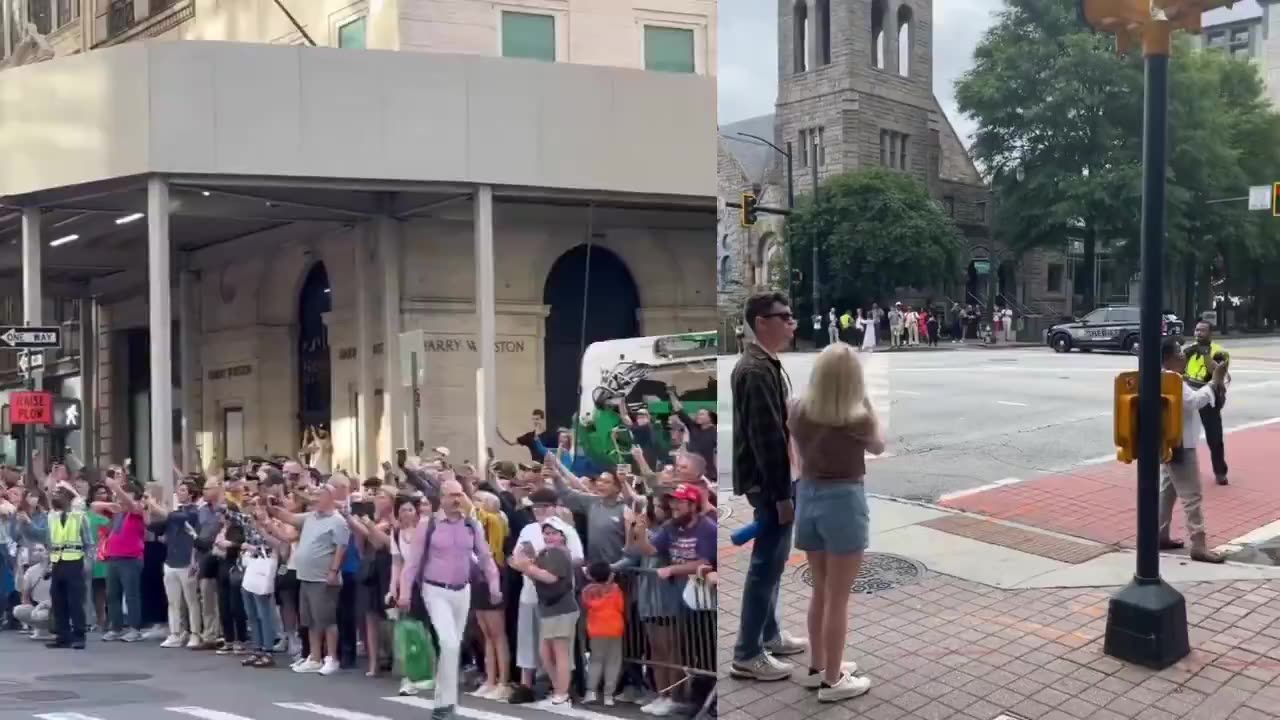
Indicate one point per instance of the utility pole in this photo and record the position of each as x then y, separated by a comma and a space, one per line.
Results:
1147, 619
813, 165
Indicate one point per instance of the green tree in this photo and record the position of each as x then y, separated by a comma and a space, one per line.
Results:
877, 230
1057, 101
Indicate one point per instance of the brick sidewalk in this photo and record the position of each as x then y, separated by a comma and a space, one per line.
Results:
945, 648
1098, 502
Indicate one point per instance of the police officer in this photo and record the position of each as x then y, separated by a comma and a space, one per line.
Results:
1198, 374
69, 542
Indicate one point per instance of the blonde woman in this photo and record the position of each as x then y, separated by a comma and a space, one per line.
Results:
833, 427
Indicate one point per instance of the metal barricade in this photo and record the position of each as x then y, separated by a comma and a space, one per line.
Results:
670, 628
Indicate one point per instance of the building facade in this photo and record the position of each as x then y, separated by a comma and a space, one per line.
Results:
283, 333
855, 90
1248, 33
672, 35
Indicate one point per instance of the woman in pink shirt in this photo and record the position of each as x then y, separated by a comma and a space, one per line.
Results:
123, 553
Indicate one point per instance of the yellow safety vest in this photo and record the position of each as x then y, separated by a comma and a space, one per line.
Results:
68, 543
1196, 369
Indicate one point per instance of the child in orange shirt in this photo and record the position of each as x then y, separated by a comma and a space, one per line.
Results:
604, 605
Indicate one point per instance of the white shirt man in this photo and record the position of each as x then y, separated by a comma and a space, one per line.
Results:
1180, 478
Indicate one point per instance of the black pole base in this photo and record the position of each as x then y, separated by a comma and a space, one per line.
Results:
1147, 624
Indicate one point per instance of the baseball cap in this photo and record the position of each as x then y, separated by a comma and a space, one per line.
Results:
685, 491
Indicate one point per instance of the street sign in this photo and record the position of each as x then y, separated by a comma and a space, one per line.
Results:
22, 337
30, 408
1260, 197
981, 267
29, 361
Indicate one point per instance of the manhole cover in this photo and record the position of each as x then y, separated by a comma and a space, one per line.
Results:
94, 677
725, 512
879, 572
42, 695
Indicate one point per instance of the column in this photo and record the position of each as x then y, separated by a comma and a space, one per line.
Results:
366, 455
388, 230
32, 309
486, 316
189, 378
88, 449
160, 318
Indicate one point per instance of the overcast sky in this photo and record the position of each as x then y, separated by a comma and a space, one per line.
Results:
748, 62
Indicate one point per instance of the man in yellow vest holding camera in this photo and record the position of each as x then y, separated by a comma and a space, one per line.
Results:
70, 542
1198, 375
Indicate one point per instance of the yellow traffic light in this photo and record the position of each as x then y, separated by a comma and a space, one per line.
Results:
1126, 415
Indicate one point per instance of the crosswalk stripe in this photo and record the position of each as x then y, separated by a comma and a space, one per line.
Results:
66, 716
331, 712
206, 713
573, 712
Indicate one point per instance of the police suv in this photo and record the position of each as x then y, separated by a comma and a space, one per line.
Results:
1107, 328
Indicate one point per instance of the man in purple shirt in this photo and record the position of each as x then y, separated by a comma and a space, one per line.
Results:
440, 561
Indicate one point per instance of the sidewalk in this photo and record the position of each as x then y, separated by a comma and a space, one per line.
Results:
1097, 502
968, 629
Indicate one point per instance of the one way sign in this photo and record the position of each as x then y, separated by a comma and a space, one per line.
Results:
30, 338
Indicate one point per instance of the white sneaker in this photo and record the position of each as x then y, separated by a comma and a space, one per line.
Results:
802, 677
589, 697
111, 636
849, 686
308, 666
158, 632
133, 636
608, 701
407, 687
661, 707
195, 642
482, 691
330, 666
501, 693
173, 641
764, 667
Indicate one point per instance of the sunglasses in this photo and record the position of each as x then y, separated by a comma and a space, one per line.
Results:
785, 316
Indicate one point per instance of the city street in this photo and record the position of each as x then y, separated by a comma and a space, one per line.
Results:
144, 682
963, 420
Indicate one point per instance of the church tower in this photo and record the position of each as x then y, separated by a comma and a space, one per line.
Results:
855, 87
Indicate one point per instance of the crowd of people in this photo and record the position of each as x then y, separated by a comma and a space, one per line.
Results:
906, 325
539, 581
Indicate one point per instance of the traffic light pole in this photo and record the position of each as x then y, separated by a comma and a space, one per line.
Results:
813, 165
1147, 620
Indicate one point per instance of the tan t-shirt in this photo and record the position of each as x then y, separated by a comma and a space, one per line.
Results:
829, 454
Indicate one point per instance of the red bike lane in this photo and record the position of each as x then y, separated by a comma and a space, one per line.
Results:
1099, 502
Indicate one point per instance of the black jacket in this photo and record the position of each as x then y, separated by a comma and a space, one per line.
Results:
761, 462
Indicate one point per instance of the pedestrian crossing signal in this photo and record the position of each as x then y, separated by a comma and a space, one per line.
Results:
1125, 415
749, 213
1275, 200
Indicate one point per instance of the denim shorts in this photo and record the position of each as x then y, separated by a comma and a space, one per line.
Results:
832, 517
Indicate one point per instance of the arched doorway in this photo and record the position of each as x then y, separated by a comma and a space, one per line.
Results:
612, 302
315, 395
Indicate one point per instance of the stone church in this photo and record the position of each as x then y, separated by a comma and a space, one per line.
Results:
855, 90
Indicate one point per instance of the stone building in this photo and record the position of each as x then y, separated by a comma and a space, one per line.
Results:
855, 90
462, 196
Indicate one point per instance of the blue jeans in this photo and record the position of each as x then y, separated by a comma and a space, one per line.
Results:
758, 623
260, 611
124, 586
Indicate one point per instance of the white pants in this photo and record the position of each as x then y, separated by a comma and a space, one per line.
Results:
181, 589
36, 617
448, 611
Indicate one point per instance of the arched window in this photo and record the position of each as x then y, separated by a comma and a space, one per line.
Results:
824, 32
877, 34
800, 25
904, 41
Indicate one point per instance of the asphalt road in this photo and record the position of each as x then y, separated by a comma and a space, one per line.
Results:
959, 419
144, 682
